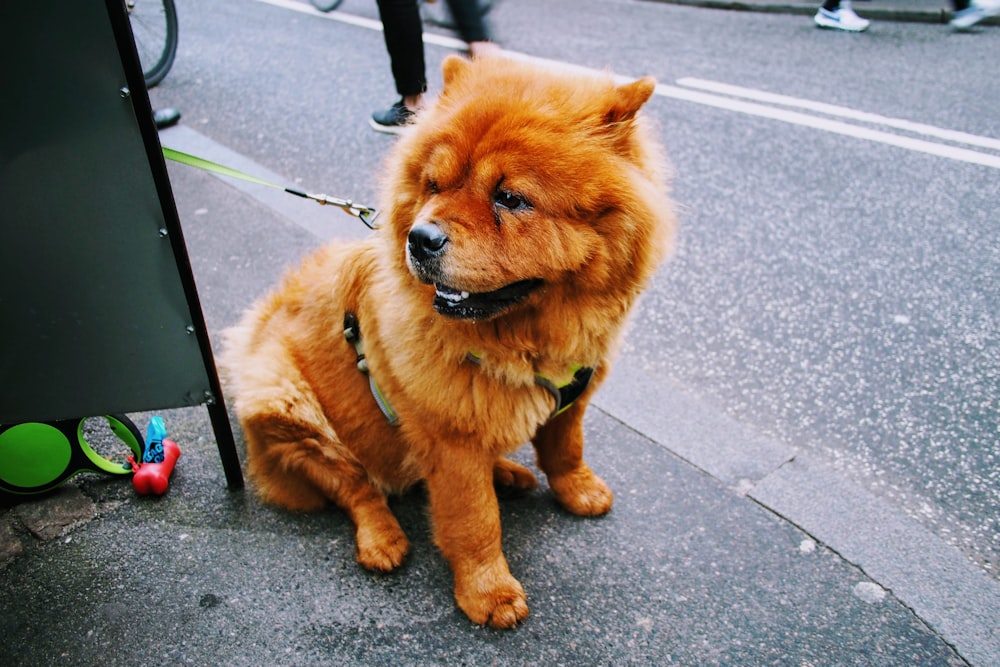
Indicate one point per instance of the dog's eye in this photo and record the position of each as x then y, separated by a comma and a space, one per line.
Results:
432, 187
510, 200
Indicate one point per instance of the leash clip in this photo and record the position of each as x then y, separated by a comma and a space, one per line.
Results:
365, 214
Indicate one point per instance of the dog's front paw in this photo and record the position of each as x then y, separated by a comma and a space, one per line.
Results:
499, 602
381, 548
513, 476
582, 492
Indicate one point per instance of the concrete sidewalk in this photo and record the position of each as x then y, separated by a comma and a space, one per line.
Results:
702, 561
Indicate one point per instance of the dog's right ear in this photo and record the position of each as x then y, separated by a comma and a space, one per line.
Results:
629, 98
453, 68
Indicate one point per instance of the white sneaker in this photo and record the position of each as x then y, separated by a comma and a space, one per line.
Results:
974, 13
843, 18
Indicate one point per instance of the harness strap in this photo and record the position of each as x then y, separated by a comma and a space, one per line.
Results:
564, 395
567, 394
352, 332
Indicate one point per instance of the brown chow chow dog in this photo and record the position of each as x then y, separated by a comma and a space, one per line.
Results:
525, 211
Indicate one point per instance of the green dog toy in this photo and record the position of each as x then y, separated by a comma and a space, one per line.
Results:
38, 456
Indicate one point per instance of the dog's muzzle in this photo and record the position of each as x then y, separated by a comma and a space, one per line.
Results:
426, 243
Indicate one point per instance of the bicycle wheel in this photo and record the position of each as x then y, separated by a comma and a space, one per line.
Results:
326, 5
154, 28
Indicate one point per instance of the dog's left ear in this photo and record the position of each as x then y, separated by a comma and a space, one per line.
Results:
628, 99
454, 67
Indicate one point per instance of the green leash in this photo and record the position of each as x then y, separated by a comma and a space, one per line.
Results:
366, 214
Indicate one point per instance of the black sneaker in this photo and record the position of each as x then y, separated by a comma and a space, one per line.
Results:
392, 120
167, 117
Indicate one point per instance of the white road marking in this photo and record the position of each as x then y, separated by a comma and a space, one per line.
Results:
841, 112
833, 126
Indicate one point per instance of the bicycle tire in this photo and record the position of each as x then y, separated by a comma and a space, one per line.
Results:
326, 5
154, 28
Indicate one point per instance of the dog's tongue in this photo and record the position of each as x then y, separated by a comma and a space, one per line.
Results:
452, 296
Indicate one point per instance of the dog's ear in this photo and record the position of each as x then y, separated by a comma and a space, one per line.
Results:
628, 99
454, 67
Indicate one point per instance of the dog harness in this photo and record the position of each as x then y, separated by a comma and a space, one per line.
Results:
564, 395
352, 332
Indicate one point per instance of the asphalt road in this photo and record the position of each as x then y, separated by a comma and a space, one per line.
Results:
835, 290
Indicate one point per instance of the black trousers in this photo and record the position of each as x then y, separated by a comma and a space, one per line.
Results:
404, 38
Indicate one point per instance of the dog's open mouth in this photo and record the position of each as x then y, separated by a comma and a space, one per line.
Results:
463, 305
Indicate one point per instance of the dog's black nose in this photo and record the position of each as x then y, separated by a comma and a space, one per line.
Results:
426, 241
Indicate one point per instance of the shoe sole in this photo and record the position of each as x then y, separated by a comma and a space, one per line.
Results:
965, 23
386, 129
838, 26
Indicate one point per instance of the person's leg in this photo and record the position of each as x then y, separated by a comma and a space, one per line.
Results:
472, 27
404, 41
469, 20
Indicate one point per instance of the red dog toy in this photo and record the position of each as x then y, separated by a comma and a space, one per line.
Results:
152, 476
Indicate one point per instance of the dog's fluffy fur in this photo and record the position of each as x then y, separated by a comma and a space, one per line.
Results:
524, 213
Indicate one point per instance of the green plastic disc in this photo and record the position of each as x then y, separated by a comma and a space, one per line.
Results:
33, 454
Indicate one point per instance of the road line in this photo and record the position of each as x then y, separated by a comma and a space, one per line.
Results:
739, 106
833, 126
841, 112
